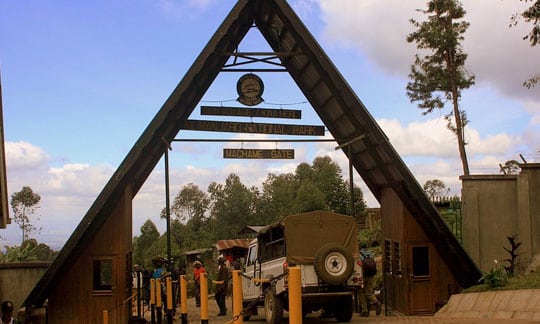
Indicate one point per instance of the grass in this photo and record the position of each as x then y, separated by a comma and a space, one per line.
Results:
527, 281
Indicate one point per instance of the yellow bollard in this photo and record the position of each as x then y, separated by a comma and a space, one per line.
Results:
105, 317
152, 291
204, 298
295, 296
168, 284
183, 298
237, 297
158, 293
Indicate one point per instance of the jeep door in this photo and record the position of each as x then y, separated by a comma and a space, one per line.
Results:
249, 287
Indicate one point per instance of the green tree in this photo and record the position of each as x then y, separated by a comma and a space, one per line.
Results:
435, 188
24, 204
277, 197
327, 176
439, 76
190, 203
309, 198
530, 15
142, 243
232, 206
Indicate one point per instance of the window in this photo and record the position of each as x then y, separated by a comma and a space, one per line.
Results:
103, 274
420, 255
397, 259
252, 257
387, 257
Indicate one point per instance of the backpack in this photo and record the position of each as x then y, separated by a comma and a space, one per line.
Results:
369, 267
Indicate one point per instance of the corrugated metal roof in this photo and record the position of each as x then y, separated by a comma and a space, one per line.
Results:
227, 244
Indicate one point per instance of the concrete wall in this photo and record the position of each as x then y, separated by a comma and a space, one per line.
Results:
18, 279
498, 206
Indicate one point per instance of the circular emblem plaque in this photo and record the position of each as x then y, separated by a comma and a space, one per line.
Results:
250, 88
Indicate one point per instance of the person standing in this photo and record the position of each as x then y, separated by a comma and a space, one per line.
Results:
222, 286
198, 268
7, 313
367, 296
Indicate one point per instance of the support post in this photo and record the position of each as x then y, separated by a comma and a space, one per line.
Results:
295, 296
204, 298
237, 297
183, 298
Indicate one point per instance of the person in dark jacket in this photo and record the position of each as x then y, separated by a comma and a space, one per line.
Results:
222, 284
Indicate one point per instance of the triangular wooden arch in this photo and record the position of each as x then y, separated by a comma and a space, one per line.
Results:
373, 157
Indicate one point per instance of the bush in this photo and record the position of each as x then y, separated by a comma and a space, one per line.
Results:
496, 277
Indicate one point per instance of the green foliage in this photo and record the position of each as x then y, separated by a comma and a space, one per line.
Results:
496, 277
440, 76
29, 251
24, 204
142, 243
198, 219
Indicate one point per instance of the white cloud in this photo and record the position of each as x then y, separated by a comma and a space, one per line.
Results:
22, 155
497, 54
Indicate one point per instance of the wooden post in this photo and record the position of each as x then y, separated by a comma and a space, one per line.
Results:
183, 298
237, 297
295, 296
204, 298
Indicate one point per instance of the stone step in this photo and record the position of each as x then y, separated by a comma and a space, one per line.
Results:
505, 304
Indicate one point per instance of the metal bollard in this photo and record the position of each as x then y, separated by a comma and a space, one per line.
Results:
295, 296
159, 302
168, 285
183, 298
204, 298
237, 297
152, 301
105, 317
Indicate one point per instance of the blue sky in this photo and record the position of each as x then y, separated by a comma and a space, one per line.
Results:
82, 80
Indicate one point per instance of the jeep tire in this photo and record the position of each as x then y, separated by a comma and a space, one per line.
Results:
334, 263
344, 311
273, 307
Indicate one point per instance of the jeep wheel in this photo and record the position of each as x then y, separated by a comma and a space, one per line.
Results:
273, 307
334, 264
344, 311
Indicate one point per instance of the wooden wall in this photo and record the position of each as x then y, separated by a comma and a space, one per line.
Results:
411, 287
74, 300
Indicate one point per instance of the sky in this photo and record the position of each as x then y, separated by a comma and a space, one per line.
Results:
81, 80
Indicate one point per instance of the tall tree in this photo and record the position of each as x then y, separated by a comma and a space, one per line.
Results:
24, 204
435, 188
439, 76
530, 15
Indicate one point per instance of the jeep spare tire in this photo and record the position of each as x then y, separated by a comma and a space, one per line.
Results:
334, 263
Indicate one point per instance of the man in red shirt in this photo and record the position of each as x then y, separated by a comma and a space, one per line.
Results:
198, 268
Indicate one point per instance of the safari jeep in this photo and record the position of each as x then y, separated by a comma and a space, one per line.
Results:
324, 246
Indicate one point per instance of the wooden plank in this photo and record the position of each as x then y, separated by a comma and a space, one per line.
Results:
275, 154
251, 112
253, 128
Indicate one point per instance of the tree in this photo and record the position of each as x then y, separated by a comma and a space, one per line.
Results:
439, 76
510, 167
232, 206
435, 188
24, 204
190, 203
530, 15
149, 235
